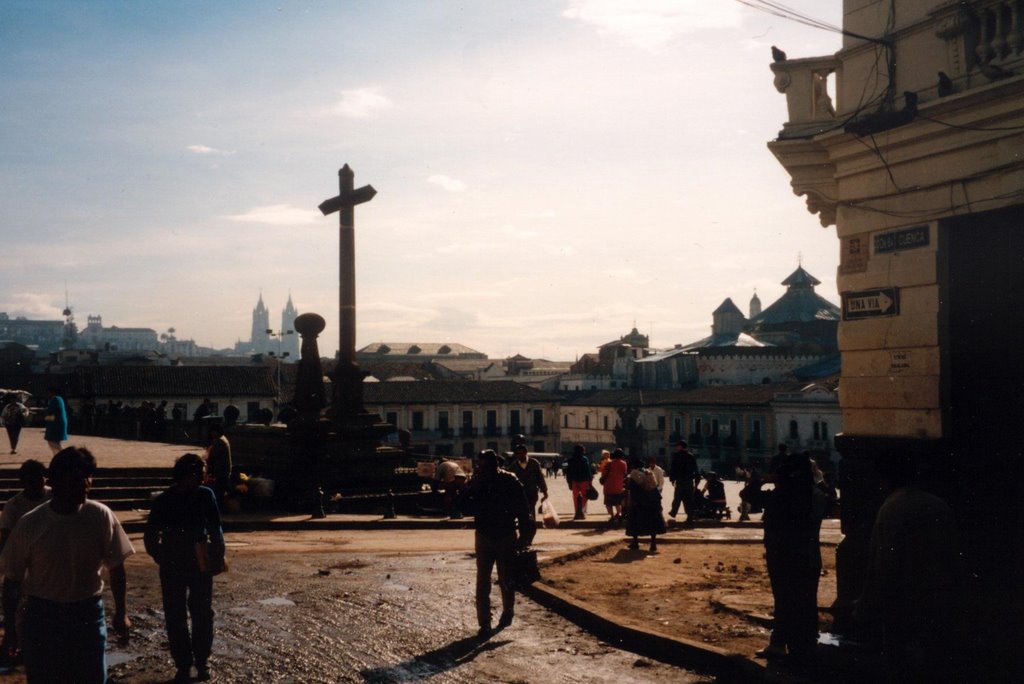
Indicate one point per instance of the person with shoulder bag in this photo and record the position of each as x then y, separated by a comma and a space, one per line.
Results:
184, 536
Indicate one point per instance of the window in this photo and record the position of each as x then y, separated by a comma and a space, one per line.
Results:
586, 422
698, 426
732, 428
538, 447
565, 421
493, 446
661, 423
492, 419
755, 431
443, 449
605, 422
824, 430
417, 420
514, 422
817, 430
794, 430
468, 449
467, 420
442, 420
538, 418
392, 418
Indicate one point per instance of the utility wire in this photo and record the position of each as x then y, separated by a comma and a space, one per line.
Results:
780, 10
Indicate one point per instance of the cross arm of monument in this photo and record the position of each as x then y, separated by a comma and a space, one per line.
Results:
347, 197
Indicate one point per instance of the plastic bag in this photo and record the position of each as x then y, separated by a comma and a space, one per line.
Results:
548, 514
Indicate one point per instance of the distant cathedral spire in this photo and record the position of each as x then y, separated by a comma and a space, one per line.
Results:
259, 340
290, 338
755, 306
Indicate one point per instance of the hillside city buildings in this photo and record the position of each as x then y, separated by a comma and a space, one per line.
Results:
756, 380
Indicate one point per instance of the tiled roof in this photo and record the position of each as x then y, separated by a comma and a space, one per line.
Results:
452, 391
716, 395
452, 349
727, 307
176, 381
726, 343
800, 278
389, 370
798, 306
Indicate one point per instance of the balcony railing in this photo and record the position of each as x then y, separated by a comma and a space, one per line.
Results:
467, 432
492, 431
539, 430
989, 33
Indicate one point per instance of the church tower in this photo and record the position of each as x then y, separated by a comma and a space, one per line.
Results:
260, 341
755, 306
290, 340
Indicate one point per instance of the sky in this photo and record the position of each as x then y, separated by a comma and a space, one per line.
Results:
550, 173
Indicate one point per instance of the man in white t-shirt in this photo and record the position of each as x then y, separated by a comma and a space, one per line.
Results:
32, 475
57, 552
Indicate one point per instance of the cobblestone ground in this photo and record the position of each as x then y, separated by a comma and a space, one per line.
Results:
304, 607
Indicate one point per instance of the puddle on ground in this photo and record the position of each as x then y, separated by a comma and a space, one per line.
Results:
119, 657
276, 601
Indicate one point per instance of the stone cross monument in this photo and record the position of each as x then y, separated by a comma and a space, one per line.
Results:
347, 399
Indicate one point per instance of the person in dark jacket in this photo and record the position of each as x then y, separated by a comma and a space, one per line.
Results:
501, 516
684, 474
578, 475
792, 524
527, 469
183, 535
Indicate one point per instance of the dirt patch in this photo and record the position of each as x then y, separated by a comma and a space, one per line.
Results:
711, 593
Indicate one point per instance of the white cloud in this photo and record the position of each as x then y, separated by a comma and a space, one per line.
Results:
470, 248
33, 305
360, 103
278, 215
652, 24
204, 149
447, 182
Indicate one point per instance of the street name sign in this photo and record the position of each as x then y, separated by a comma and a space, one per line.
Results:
900, 240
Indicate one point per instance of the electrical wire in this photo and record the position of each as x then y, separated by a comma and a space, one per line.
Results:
779, 10
970, 128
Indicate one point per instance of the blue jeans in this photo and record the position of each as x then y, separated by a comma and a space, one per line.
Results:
65, 642
184, 595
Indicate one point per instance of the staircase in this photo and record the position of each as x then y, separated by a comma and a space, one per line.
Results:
123, 489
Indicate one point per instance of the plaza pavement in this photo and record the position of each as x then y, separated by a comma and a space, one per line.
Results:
569, 536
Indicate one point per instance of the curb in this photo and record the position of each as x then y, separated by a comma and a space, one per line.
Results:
725, 665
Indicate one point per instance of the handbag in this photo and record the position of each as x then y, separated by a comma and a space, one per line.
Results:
592, 492
524, 570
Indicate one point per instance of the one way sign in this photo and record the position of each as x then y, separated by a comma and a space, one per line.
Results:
884, 301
